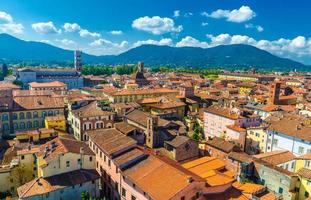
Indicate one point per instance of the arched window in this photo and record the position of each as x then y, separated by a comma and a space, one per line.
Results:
15, 116
28, 115
29, 125
43, 114
21, 115
36, 124
22, 125
50, 113
15, 126
99, 125
5, 127
109, 125
35, 114
5, 117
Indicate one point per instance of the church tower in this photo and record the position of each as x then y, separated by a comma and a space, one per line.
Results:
78, 60
152, 135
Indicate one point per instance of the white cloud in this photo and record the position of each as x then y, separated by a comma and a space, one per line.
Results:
86, 33
108, 43
103, 47
156, 25
7, 24
204, 24
298, 42
46, 41
71, 27
14, 28
244, 13
67, 42
116, 32
46, 28
176, 13
189, 41
290, 48
164, 41
257, 27
5, 17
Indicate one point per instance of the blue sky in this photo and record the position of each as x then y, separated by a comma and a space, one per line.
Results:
113, 26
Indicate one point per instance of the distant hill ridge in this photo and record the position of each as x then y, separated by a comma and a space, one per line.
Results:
235, 55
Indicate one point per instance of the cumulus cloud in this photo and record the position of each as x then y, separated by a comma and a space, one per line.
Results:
15, 28
116, 32
189, 41
257, 27
7, 24
291, 48
162, 42
294, 48
71, 27
243, 14
67, 42
156, 25
5, 17
108, 43
86, 33
176, 13
103, 46
46, 28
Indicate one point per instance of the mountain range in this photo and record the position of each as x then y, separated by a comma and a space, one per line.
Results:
236, 55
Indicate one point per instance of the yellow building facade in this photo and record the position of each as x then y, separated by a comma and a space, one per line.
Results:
256, 139
303, 169
56, 122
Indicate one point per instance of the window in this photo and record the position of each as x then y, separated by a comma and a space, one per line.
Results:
91, 158
14, 116
5, 127
29, 125
22, 157
50, 113
22, 125
35, 114
133, 198
263, 181
280, 190
182, 198
123, 192
28, 115
79, 162
300, 150
15, 126
293, 165
306, 194
5, 117
43, 114
36, 124
109, 163
67, 163
308, 182
275, 142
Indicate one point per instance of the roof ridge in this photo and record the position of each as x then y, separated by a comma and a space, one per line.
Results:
34, 181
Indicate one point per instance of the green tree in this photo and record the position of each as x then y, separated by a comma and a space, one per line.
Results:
85, 195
